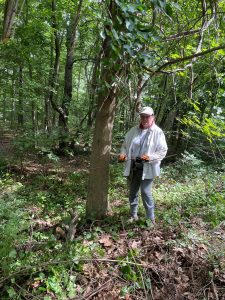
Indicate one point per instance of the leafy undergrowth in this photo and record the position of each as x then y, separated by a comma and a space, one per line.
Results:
182, 257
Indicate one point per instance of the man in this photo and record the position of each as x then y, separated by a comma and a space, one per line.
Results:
143, 149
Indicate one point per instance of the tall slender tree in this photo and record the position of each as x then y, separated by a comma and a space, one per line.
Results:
9, 16
54, 68
68, 86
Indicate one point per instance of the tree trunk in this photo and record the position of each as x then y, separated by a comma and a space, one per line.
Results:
137, 99
97, 201
51, 85
20, 115
92, 91
67, 96
4, 108
9, 15
13, 103
53, 76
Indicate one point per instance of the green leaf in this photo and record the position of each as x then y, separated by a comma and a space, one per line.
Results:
115, 35
128, 273
116, 50
129, 25
119, 20
131, 8
196, 107
168, 9
174, 55
102, 34
221, 52
129, 50
11, 292
12, 253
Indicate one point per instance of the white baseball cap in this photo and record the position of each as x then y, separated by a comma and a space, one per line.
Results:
147, 110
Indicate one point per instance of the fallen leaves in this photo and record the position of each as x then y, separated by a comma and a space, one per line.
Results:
106, 241
135, 244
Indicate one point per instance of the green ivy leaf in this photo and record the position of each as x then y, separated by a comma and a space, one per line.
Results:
169, 10
102, 34
129, 25
115, 35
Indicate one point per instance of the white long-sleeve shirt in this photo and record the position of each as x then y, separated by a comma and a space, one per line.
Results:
154, 145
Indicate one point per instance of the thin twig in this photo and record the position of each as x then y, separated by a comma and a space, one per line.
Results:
28, 293
214, 290
98, 290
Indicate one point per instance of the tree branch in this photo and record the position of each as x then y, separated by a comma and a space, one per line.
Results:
181, 35
181, 59
88, 59
9, 16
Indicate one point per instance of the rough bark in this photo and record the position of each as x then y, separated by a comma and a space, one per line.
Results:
67, 96
53, 76
9, 15
97, 201
92, 91
33, 106
13, 103
20, 114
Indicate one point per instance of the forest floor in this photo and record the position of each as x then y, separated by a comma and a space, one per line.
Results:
181, 257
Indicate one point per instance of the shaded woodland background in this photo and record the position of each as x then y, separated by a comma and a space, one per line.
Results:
59, 59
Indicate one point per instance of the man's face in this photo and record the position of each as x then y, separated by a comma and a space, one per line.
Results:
146, 120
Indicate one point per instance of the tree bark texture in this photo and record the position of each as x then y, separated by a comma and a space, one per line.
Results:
67, 96
92, 91
97, 201
20, 113
9, 15
54, 70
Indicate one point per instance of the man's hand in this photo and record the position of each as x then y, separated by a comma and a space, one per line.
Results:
145, 157
122, 157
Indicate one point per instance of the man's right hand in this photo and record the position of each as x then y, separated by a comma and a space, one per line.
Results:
122, 157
